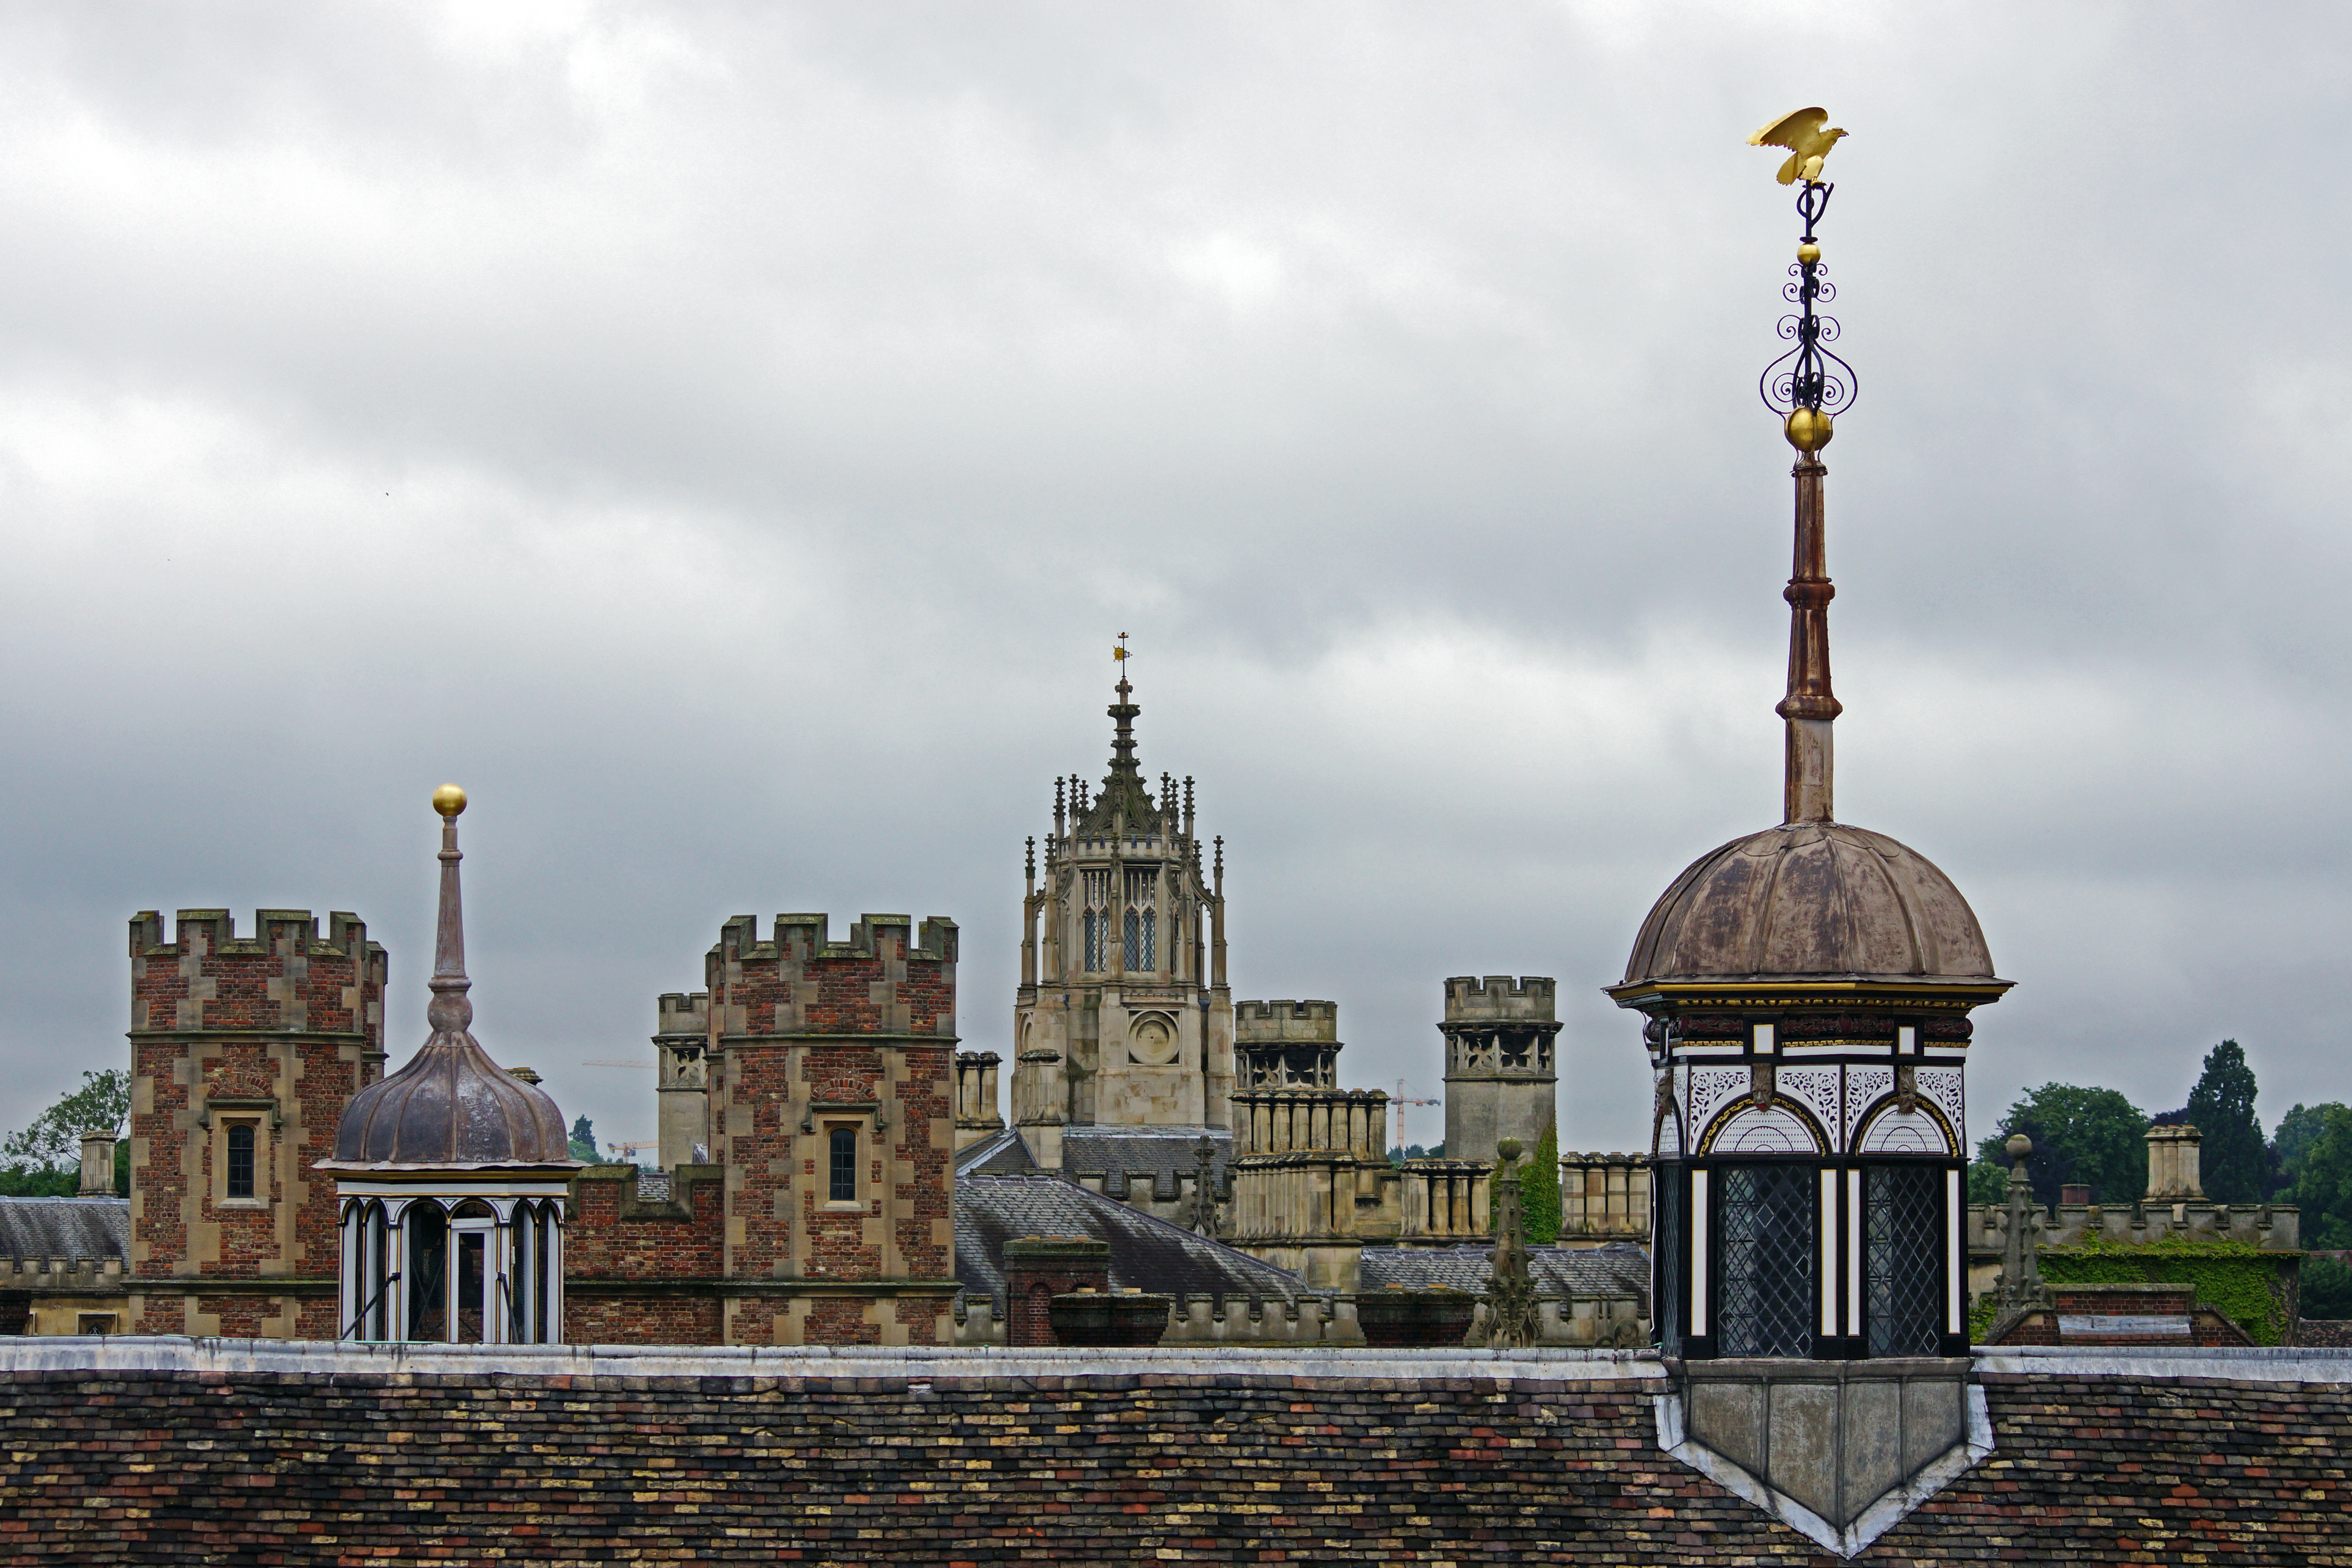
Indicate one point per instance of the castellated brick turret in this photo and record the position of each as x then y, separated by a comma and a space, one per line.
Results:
1499, 1071
244, 1052
832, 1106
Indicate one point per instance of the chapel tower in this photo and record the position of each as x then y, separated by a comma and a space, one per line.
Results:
1123, 1017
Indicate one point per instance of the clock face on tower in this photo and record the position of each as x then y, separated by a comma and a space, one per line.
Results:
1153, 1041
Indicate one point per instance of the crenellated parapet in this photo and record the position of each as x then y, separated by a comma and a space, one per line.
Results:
1286, 1045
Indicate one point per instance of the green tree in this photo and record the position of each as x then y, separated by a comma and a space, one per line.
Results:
2085, 1134
2327, 1288
2323, 1183
1988, 1183
1540, 1190
583, 1141
2298, 1129
45, 1159
2232, 1162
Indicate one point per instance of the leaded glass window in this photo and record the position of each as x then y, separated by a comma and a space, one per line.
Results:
1666, 1276
1903, 1243
843, 1166
1765, 1261
240, 1159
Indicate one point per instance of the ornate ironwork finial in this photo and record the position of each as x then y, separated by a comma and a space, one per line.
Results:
1810, 385
1807, 386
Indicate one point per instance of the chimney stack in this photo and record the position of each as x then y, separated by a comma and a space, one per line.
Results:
98, 1164
2172, 1176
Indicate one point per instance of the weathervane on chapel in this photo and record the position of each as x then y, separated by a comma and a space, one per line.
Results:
1809, 385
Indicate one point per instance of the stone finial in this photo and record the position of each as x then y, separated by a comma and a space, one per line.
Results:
1510, 1295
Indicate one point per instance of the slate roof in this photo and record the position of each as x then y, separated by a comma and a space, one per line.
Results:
1002, 1153
65, 1227
1111, 1153
1146, 1252
1617, 1269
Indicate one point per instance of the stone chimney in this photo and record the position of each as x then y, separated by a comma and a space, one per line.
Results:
2172, 1174
98, 1164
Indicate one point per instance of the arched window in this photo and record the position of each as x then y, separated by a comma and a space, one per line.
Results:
240, 1159
425, 1229
1141, 924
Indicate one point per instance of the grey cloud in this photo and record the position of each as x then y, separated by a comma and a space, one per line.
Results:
782, 407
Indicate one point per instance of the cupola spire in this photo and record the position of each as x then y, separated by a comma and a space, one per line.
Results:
1807, 386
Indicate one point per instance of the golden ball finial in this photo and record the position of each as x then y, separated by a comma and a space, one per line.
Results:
1809, 253
1808, 429
448, 800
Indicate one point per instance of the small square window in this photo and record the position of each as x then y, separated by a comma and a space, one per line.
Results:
842, 1168
240, 1159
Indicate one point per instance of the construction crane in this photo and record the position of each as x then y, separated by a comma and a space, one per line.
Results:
628, 1151
616, 1064
1401, 1103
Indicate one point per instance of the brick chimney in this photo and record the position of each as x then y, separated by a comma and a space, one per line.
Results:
1039, 1267
2172, 1176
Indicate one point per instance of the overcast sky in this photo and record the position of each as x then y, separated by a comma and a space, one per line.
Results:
726, 440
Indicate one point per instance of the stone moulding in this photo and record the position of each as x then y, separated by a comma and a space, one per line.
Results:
323, 1358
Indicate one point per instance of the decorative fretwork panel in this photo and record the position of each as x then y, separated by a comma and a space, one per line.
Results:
1903, 1243
1764, 1260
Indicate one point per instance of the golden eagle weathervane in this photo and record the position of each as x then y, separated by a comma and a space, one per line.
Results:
1808, 135
1809, 385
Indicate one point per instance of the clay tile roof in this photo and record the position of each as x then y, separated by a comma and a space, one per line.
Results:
1807, 899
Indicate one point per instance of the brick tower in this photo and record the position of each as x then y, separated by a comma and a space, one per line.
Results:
243, 1054
832, 1109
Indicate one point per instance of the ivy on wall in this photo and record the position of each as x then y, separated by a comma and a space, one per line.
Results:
2251, 1288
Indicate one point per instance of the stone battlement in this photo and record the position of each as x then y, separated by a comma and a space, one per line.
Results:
682, 1013
1275, 1023
809, 936
1498, 998
286, 976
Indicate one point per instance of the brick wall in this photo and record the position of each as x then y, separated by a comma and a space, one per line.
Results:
364, 1468
276, 1030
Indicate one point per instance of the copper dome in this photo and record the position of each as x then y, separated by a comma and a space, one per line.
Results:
451, 1105
1809, 899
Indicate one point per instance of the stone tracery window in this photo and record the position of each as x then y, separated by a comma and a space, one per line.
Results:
1141, 922
1094, 888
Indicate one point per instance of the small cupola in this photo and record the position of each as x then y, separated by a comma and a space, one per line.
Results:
452, 1175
